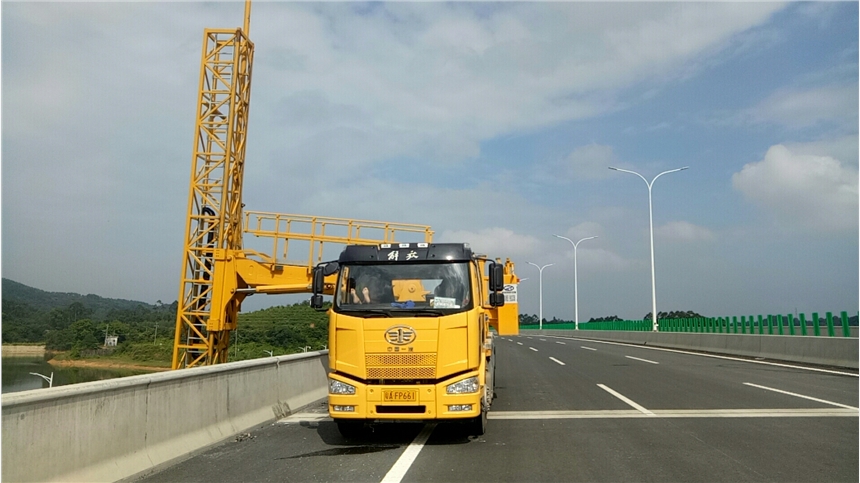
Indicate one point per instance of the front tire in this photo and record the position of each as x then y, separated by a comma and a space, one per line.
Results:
478, 425
350, 429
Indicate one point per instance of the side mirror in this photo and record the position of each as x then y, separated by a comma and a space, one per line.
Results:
497, 277
320, 272
318, 283
330, 268
497, 299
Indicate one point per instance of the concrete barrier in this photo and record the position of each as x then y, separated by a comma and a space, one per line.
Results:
120, 428
827, 351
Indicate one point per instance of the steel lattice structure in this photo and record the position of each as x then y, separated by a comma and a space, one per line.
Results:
214, 221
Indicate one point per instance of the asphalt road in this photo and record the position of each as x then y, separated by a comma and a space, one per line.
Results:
574, 410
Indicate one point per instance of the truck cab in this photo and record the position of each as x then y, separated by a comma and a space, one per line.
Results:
409, 333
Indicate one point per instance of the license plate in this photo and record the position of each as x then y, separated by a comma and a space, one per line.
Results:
400, 395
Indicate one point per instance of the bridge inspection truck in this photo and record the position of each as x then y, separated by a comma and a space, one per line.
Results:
410, 332
409, 326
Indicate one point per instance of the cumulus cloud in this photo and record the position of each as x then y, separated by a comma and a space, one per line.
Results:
683, 231
802, 191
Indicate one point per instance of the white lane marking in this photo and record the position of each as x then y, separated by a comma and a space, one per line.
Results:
630, 413
713, 356
556, 361
626, 400
587, 348
305, 418
677, 413
398, 471
519, 343
643, 360
543, 340
557, 342
801, 396
532, 348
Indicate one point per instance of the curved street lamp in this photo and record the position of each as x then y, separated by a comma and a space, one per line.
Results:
575, 289
540, 290
651, 224
49, 379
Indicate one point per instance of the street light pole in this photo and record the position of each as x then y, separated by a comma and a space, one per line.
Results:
651, 225
540, 291
575, 289
49, 379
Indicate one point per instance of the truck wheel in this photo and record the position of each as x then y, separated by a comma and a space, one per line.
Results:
478, 424
350, 429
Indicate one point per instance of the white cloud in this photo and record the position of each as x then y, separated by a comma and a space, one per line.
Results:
802, 191
683, 231
584, 229
493, 242
796, 108
845, 148
583, 163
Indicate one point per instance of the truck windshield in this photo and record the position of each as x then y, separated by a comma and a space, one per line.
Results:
422, 288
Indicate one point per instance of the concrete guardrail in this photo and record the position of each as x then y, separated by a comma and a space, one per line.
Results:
121, 428
827, 351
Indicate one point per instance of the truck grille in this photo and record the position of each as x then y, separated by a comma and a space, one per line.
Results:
400, 366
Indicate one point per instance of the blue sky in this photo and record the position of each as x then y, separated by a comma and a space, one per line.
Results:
495, 123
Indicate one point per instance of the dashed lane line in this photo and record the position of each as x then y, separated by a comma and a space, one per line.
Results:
587, 348
801, 396
556, 361
398, 471
643, 360
714, 356
532, 348
629, 402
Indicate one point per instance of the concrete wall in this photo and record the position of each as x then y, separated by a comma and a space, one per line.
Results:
114, 429
828, 351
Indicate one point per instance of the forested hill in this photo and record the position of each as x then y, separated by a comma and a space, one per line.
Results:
46, 301
66, 321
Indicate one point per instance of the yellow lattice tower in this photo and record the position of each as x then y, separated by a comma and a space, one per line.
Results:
214, 220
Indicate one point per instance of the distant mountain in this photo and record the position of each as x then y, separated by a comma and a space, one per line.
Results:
45, 301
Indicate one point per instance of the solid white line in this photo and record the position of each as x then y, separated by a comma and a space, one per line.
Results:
587, 348
628, 401
556, 361
557, 342
801, 396
676, 413
713, 356
305, 417
643, 360
398, 471
532, 348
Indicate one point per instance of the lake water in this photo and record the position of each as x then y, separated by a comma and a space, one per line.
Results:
16, 374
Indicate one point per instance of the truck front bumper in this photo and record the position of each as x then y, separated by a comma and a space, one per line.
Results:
404, 402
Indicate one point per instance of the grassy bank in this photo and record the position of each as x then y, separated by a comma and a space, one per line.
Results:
23, 350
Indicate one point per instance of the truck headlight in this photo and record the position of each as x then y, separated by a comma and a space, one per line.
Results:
466, 386
337, 387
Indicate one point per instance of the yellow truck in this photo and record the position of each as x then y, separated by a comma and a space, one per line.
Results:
410, 332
